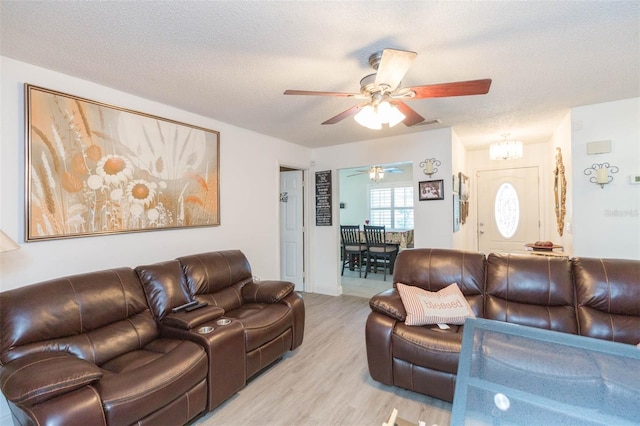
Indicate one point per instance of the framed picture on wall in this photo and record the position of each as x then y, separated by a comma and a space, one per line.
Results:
456, 212
95, 169
431, 190
463, 181
464, 197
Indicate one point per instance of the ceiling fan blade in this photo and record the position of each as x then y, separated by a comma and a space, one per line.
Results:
394, 64
345, 114
411, 117
393, 170
312, 93
459, 88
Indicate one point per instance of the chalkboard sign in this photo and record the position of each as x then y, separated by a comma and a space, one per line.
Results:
323, 198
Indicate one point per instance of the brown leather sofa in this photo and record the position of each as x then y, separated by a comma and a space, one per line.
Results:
597, 298
106, 348
266, 318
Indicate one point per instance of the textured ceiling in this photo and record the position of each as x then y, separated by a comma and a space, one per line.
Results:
232, 60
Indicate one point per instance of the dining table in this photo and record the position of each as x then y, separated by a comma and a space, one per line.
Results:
402, 237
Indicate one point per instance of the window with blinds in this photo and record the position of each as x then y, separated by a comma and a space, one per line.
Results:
391, 205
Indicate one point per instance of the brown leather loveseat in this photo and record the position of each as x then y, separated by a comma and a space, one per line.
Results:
597, 298
107, 348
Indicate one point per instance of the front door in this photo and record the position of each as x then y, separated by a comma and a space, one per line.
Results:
508, 209
292, 228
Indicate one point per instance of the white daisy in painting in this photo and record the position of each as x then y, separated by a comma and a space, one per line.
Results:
153, 215
136, 210
116, 194
141, 192
94, 182
114, 169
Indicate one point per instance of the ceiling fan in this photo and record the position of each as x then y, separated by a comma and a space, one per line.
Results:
376, 173
383, 96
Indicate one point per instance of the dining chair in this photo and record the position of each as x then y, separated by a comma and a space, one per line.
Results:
378, 249
353, 250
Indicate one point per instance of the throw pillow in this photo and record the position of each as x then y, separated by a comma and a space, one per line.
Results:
447, 306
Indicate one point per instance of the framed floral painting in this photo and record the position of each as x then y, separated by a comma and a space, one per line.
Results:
96, 169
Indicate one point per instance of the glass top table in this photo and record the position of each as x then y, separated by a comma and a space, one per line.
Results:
515, 375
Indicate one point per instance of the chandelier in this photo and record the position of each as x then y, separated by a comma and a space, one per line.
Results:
376, 173
505, 150
373, 116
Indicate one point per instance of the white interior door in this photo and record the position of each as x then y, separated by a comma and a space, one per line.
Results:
508, 209
292, 228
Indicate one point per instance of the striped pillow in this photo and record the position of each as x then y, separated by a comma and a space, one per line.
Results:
447, 306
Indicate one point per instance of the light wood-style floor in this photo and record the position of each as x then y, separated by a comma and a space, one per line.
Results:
359, 286
326, 382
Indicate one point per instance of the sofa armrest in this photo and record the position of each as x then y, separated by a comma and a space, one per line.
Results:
190, 320
37, 377
266, 291
389, 303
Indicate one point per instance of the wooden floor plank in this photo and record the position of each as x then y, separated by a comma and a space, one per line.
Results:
326, 381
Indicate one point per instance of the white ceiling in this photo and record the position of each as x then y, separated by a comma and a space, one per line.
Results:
232, 60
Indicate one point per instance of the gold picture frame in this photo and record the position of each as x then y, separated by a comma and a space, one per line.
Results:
559, 192
95, 169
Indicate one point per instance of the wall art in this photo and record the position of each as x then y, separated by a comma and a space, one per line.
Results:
94, 169
431, 190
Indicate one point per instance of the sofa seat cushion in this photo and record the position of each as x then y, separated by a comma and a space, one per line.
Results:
262, 322
140, 382
428, 346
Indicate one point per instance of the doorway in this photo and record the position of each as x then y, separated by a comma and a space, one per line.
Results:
508, 209
356, 188
292, 228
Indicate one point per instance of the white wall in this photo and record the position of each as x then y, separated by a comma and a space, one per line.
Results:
606, 221
433, 219
246, 158
249, 217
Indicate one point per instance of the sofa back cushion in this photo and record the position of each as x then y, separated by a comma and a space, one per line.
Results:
535, 291
165, 286
435, 269
96, 316
608, 298
217, 277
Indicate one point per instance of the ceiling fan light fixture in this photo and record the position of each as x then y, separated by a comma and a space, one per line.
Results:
376, 173
368, 117
373, 117
393, 116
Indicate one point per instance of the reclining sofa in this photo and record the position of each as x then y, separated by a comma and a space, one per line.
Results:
158, 344
598, 298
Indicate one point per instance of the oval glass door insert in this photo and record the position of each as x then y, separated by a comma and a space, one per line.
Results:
507, 210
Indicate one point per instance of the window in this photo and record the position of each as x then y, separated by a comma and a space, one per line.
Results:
507, 210
391, 205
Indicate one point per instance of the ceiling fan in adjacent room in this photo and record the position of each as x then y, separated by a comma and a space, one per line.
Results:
376, 173
383, 96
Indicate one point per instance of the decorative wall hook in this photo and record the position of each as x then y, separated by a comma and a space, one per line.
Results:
601, 173
429, 166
